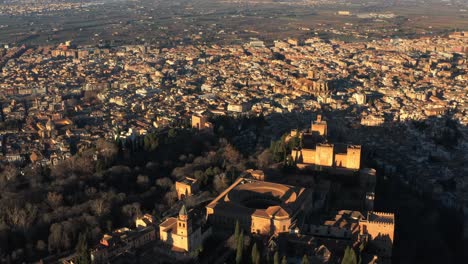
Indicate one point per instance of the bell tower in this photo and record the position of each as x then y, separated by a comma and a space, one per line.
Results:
184, 227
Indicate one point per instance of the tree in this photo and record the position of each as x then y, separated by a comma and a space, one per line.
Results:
284, 260
151, 142
8, 174
21, 217
41, 246
295, 142
305, 260
345, 258
201, 177
54, 199
172, 133
349, 256
142, 180
237, 231
254, 253
240, 248
131, 211
100, 207
109, 226
108, 150
164, 183
231, 154
220, 183
362, 247
264, 159
278, 149
276, 258
170, 197
353, 256
69, 233
55, 237
82, 250
257, 259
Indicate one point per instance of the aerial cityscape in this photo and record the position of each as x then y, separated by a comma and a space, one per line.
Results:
233, 131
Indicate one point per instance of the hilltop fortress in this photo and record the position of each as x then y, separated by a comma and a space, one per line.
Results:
332, 156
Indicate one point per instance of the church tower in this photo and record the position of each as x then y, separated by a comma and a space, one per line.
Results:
49, 125
50, 128
184, 226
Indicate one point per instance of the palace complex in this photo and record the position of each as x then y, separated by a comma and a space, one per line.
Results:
262, 207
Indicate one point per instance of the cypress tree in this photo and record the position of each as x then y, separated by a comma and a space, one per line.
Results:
257, 259
276, 258
82, 250
240, 248
284, 260
254, 253
349, 256
353, 256
237, 231
346, 256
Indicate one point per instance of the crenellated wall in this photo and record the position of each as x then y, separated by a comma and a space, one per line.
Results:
380, 228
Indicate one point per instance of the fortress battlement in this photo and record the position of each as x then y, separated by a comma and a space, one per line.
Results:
380, 218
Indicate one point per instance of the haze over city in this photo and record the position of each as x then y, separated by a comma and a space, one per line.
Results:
233, 131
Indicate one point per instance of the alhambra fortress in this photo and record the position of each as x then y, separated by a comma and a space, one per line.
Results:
296, 209
283, 209
320, 154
